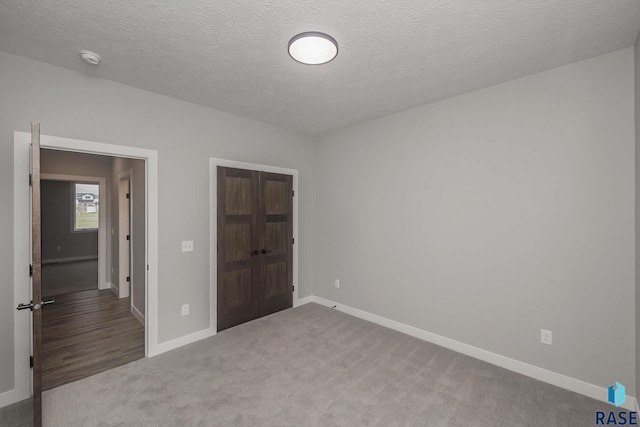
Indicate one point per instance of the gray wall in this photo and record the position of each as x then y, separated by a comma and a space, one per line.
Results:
79, 106
57, 215
138, 227
491, 215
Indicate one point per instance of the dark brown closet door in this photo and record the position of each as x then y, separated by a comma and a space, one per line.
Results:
238, 244
276, 242
255, 245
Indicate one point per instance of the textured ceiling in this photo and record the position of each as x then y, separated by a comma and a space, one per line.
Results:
394, 54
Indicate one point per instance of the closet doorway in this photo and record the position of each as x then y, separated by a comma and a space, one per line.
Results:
254, 245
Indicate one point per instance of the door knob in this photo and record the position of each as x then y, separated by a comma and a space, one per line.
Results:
255, 252
264, 251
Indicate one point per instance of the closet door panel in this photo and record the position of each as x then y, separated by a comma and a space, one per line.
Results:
276, 237
239, 270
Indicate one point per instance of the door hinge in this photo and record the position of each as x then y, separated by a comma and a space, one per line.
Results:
128, 195
293, 241
30, 270
30, 180
128, 237
293, 193
128, 278
293, 288
31, 361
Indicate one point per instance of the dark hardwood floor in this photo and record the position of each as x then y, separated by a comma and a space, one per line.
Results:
85, 333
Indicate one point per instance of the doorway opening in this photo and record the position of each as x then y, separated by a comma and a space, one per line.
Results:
27, 336
73, 232
94, 324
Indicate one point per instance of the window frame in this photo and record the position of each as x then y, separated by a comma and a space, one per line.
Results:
74, 229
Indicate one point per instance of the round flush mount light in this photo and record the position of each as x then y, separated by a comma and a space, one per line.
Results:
89, 57
313, 48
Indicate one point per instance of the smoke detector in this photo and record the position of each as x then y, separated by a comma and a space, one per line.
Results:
89, 57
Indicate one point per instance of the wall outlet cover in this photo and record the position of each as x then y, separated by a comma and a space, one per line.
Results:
187, 246
337, 283
185, 309
546, 337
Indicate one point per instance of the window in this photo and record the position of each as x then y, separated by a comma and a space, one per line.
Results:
86, 204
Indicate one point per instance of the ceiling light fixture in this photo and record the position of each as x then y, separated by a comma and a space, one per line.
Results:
89, 57
313, 48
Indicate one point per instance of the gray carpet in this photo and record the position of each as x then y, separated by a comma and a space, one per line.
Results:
67, 277
313, 366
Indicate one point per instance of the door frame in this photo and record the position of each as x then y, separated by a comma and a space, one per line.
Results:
213, 227
102, 226
21, 234
125, 175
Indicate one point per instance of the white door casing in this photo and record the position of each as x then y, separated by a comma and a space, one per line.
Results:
22, 140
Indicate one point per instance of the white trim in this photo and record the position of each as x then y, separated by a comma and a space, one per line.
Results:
137, 314
213, 227
114, 289
22, 251
184, 340
303, 301
544, 375
102, 226
7, 398
21, 259
73, 259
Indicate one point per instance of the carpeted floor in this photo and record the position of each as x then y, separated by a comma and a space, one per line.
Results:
67, 277
313, 366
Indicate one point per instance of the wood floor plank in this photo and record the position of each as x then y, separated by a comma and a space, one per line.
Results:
85, 333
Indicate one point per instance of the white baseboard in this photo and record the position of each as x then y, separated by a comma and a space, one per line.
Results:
70, 259
541, 374
137, 314
303, 301
184, 340
115, 289
7, 398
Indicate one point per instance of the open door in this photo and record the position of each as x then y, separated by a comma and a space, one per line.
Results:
36, 276
36, 303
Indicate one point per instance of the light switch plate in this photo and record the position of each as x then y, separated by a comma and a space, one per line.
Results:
187, 246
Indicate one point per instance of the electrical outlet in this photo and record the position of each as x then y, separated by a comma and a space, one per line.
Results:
58, 248
187, 246
185, 309
337, 283
546, 337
